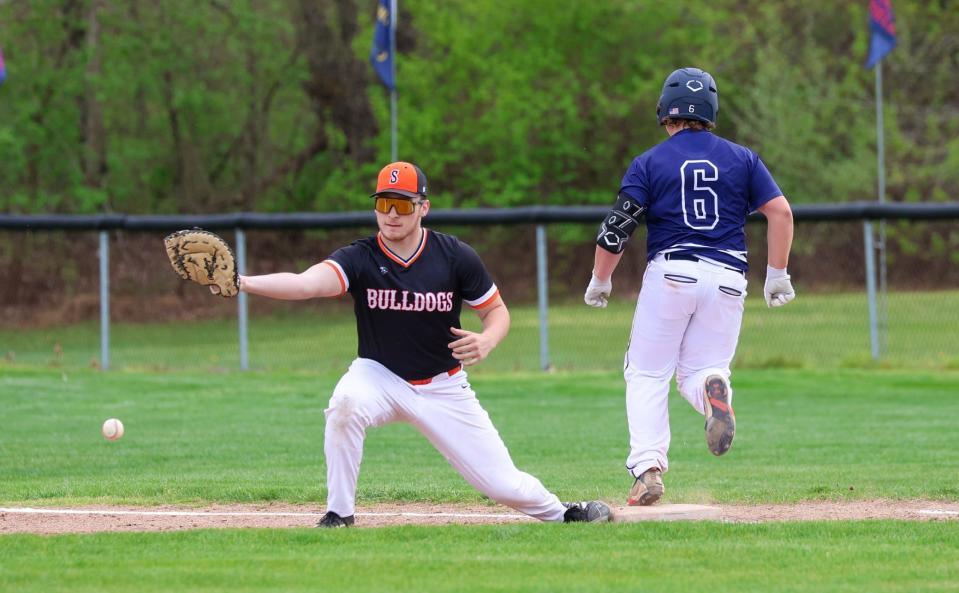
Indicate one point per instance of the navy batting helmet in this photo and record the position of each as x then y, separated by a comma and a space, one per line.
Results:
689, 93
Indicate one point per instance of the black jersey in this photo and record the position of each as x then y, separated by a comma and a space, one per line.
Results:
405, 308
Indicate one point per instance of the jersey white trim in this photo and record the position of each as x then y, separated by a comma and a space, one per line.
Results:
481, 300
341, 272
740, 255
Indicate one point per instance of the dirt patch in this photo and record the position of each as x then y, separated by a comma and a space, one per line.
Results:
909, 510
169, 518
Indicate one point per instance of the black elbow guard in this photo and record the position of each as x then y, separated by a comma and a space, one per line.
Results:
619, 224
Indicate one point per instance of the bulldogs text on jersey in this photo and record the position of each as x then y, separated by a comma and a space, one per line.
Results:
405, 308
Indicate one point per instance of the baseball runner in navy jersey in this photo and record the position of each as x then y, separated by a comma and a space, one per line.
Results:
694, 190
408, 285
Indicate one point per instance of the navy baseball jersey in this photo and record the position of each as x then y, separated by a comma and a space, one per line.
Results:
697, 189
405, 308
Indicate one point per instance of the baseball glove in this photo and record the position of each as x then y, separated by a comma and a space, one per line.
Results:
204, 258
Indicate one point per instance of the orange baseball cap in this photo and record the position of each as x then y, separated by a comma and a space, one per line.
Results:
401, 178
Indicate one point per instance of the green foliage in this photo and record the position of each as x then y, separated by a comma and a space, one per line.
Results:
186, 107
522, 98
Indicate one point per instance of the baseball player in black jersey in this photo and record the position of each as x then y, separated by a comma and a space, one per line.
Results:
408, 285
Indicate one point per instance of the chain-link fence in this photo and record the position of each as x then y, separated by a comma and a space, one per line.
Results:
50, 306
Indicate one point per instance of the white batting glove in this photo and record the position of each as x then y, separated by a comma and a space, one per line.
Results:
597, 293
778, 289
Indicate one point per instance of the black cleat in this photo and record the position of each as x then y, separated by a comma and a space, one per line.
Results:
720, 419
589, 512
331, 521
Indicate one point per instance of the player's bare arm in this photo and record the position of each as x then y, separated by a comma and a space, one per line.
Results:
471, 347
778, 289
604, 263
320, 280
779, 234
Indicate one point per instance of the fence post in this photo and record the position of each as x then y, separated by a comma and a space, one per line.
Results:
104, 300
542, 287
882, 324
871, 287
242, 311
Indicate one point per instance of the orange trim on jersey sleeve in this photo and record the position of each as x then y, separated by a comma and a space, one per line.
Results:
338, 275
487, 302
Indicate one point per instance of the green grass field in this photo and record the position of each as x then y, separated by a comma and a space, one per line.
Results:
815, 331
818, 420
194, 438
666, 557
258, 436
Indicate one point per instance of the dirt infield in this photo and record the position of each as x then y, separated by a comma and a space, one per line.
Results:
168, 518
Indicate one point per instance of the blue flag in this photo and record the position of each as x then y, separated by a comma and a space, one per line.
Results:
3, 68
882, 29
380, 56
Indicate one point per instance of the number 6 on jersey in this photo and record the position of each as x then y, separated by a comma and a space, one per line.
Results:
703, 208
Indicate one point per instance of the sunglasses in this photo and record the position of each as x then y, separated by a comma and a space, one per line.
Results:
403, 206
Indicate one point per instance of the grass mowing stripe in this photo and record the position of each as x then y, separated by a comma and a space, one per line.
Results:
814, 331
664, 557
258, 437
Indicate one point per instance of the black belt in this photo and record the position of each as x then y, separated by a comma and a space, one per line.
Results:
689, 257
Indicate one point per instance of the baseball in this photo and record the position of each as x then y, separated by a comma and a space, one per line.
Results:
112, 429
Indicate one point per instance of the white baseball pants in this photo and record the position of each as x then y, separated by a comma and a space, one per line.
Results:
447, 413
687, 322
